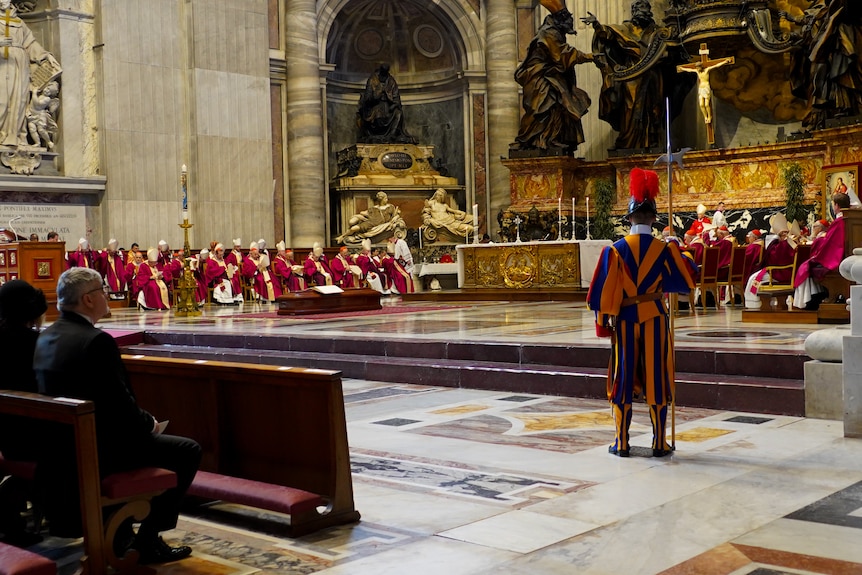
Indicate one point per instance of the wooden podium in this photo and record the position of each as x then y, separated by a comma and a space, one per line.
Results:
38, 263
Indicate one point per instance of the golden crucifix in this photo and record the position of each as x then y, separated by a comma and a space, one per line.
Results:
8, 19
702, 68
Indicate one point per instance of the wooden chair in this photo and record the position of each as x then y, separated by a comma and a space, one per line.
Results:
772, 289
736, 274
709, 275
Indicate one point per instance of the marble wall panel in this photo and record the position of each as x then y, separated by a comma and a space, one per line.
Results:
211, 113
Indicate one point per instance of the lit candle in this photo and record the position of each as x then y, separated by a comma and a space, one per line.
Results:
476, 223
573, 218
183, 181
588, 207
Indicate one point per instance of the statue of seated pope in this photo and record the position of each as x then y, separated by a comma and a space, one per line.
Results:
378, 223
442, 222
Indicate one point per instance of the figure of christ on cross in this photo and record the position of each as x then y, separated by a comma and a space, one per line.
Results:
704, 92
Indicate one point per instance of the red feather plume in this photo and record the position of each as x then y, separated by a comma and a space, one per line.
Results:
643, 184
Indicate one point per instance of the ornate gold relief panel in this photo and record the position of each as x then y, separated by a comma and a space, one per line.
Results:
522, 266
519, 266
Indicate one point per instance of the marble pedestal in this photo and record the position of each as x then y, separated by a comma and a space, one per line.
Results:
853, 367
824, 394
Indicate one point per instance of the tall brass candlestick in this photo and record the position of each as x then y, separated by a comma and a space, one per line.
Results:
186, 305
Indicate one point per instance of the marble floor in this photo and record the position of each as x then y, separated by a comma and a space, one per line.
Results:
502, 321
472, 482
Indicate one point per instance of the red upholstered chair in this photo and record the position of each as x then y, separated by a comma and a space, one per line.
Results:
736, 274
709, 275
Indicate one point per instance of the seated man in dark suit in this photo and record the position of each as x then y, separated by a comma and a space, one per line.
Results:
76, 359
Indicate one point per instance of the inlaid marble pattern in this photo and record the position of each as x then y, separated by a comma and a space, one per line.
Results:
497, 487
484, 483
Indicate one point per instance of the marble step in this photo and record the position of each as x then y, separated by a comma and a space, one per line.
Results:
727, 392
718, 361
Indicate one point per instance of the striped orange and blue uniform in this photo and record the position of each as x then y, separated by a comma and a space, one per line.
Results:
625, 294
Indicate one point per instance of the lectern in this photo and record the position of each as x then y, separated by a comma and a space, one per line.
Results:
38, 263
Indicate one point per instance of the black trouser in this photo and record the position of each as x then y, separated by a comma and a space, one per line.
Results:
178, 454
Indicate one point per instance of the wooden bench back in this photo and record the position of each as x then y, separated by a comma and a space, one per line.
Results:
280, 425
81, 416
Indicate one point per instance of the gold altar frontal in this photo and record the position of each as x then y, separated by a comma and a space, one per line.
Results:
521, 265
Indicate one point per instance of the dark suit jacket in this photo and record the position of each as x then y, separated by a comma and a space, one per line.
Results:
76, 359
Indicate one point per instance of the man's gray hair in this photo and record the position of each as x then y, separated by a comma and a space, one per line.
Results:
73, 284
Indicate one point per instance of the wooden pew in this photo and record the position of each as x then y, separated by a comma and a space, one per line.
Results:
263, 427
128, 493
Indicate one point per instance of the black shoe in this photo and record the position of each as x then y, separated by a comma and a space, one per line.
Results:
840, 298
661, 452
618, 452
123, 539
157, 551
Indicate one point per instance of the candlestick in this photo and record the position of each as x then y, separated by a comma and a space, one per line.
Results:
560, 218
588, 219
573, 219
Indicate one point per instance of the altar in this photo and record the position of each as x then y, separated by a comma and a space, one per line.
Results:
528, 265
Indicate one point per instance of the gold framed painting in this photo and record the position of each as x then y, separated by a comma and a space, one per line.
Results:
839, 179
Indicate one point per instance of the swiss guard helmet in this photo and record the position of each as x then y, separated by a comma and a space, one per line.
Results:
643, 185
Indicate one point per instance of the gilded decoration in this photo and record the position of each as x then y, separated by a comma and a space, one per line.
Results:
519, 267
522, 266
43, 269
487, 272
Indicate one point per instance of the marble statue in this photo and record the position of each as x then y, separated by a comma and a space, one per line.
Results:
443, 222
42, 115
380, 117
553, 104
377, 223
18, 49
633, 103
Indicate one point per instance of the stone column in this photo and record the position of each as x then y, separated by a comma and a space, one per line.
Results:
503, 102
306, 161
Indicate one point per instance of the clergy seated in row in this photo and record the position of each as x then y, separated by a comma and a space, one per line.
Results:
827, 252
255, 268
345, 272
780, 250
753, 253
235, 257
290, 274
316, 267
725, 244
223, 278
150, 284
199, 265
132, 273
371, 267
693, 240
